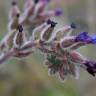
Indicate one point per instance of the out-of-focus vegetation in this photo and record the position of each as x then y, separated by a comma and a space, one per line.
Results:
28, 77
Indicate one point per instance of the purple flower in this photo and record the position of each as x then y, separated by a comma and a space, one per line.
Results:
93, 39
82, 37
58, 46
91, 71
58, 12
91, 67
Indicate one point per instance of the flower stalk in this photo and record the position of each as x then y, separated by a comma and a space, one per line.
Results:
59, 47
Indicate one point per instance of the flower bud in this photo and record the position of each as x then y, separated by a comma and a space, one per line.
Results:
92, 72
37, 31
14, 10
29, 8
76, 57
13, 24
48, 14
77, 45
19, 38
40, 7
47, 32
28, 3
83, 37
58, 12
7, 41
61, 33
90, 66
92, 39
67, 41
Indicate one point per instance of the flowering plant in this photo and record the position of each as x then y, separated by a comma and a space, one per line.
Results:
59, 47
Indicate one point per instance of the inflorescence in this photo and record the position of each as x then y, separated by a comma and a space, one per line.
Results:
58, 47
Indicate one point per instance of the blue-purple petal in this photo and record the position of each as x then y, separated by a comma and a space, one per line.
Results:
58, 11
83, 37
93, 39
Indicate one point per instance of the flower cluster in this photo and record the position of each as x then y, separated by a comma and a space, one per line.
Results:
34, 29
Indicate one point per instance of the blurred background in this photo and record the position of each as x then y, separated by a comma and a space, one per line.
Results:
28, 77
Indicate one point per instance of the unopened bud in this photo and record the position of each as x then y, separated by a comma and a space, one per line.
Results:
19, 38
62, 33
47, 32
13, 24
67, 41
76, 57
37, 31
14, 10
